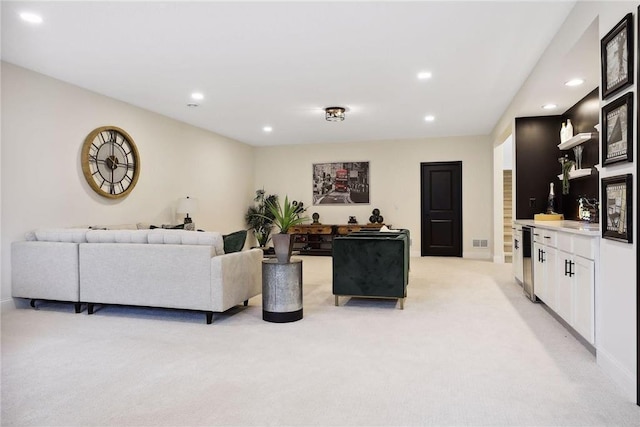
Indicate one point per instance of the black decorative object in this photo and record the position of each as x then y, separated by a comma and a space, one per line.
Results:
617, 57
617, 128
315, 217
376, 217
617, 207
353, 220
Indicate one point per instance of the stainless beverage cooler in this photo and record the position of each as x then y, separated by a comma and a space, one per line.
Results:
527, 264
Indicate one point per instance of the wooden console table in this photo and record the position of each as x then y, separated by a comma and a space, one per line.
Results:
317, 239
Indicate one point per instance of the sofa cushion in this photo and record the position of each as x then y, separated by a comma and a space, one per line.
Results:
183, 237
234, 242
69, 235
117, 236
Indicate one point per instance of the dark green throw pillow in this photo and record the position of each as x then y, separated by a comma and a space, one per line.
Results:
234, 242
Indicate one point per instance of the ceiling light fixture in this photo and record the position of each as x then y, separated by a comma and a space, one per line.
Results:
197, 95
550, 106
31, 18
429, 118
267, 128
424, 75
334, 114
574, 82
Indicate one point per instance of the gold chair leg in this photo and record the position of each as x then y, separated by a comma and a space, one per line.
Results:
336, 300
401, 303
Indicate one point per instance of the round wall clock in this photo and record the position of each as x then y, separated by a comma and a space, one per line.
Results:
110, 162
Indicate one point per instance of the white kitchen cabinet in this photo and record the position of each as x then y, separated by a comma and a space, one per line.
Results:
544, 273
575, 285
564, 268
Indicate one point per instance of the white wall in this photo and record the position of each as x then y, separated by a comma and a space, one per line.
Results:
44, 124
507, 153
395, 181
616, 307
616, 330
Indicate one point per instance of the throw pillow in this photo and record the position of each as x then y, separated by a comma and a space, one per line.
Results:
173, 227
234, 242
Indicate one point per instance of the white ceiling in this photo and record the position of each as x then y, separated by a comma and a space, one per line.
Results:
280, 63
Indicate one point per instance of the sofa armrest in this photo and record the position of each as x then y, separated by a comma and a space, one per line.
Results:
45, 270
235, 278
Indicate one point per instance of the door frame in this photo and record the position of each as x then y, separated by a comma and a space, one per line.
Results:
422, 213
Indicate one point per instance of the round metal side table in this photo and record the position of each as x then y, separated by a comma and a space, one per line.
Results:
281, 291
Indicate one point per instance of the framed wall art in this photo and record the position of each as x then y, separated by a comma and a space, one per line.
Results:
340, 183
617, 128
616, 49
617, 206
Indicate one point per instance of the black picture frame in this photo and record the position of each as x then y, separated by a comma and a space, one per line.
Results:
617, 208
616, 50
617, 130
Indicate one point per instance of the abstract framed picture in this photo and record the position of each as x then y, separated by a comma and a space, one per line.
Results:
617, 127
617, 206
616, 50
340, 183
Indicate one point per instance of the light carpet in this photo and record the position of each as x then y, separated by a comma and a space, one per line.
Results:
468, 350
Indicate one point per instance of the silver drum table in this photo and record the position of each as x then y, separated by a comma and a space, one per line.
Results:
281, 291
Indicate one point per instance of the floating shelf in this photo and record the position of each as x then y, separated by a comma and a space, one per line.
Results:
577, 173
577, 140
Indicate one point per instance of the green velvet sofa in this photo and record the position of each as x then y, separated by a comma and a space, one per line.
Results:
371, 264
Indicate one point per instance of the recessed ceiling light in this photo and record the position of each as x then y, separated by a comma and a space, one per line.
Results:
429, 118
197, 95
423, 75
549, 106
31, 18
267, 128
574, 82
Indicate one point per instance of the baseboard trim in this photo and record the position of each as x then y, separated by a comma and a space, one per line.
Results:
624, 378
7, 304
477, 255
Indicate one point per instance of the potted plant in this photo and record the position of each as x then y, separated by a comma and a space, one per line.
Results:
259, 217
285, 216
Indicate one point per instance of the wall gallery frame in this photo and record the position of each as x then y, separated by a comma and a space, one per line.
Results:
617, 212
617, 127
340, 183
617, 57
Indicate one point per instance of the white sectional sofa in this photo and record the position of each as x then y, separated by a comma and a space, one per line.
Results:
157, 268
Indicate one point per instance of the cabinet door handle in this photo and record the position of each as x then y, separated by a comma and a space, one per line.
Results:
536, 234
547, 237
566, 262
571, 271
515, 243
543, 258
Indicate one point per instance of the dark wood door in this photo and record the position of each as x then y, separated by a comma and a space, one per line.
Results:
441, 208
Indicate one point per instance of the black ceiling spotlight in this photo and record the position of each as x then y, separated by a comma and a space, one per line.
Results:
334, 114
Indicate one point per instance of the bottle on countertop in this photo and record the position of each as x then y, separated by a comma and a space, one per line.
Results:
551, 201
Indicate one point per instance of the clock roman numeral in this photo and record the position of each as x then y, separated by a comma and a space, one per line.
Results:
121, 187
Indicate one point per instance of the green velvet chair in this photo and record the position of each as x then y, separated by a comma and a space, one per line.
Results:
371, 264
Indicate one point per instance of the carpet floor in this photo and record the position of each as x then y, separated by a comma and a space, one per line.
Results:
468, 350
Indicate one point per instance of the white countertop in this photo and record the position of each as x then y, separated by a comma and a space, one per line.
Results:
576, 227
